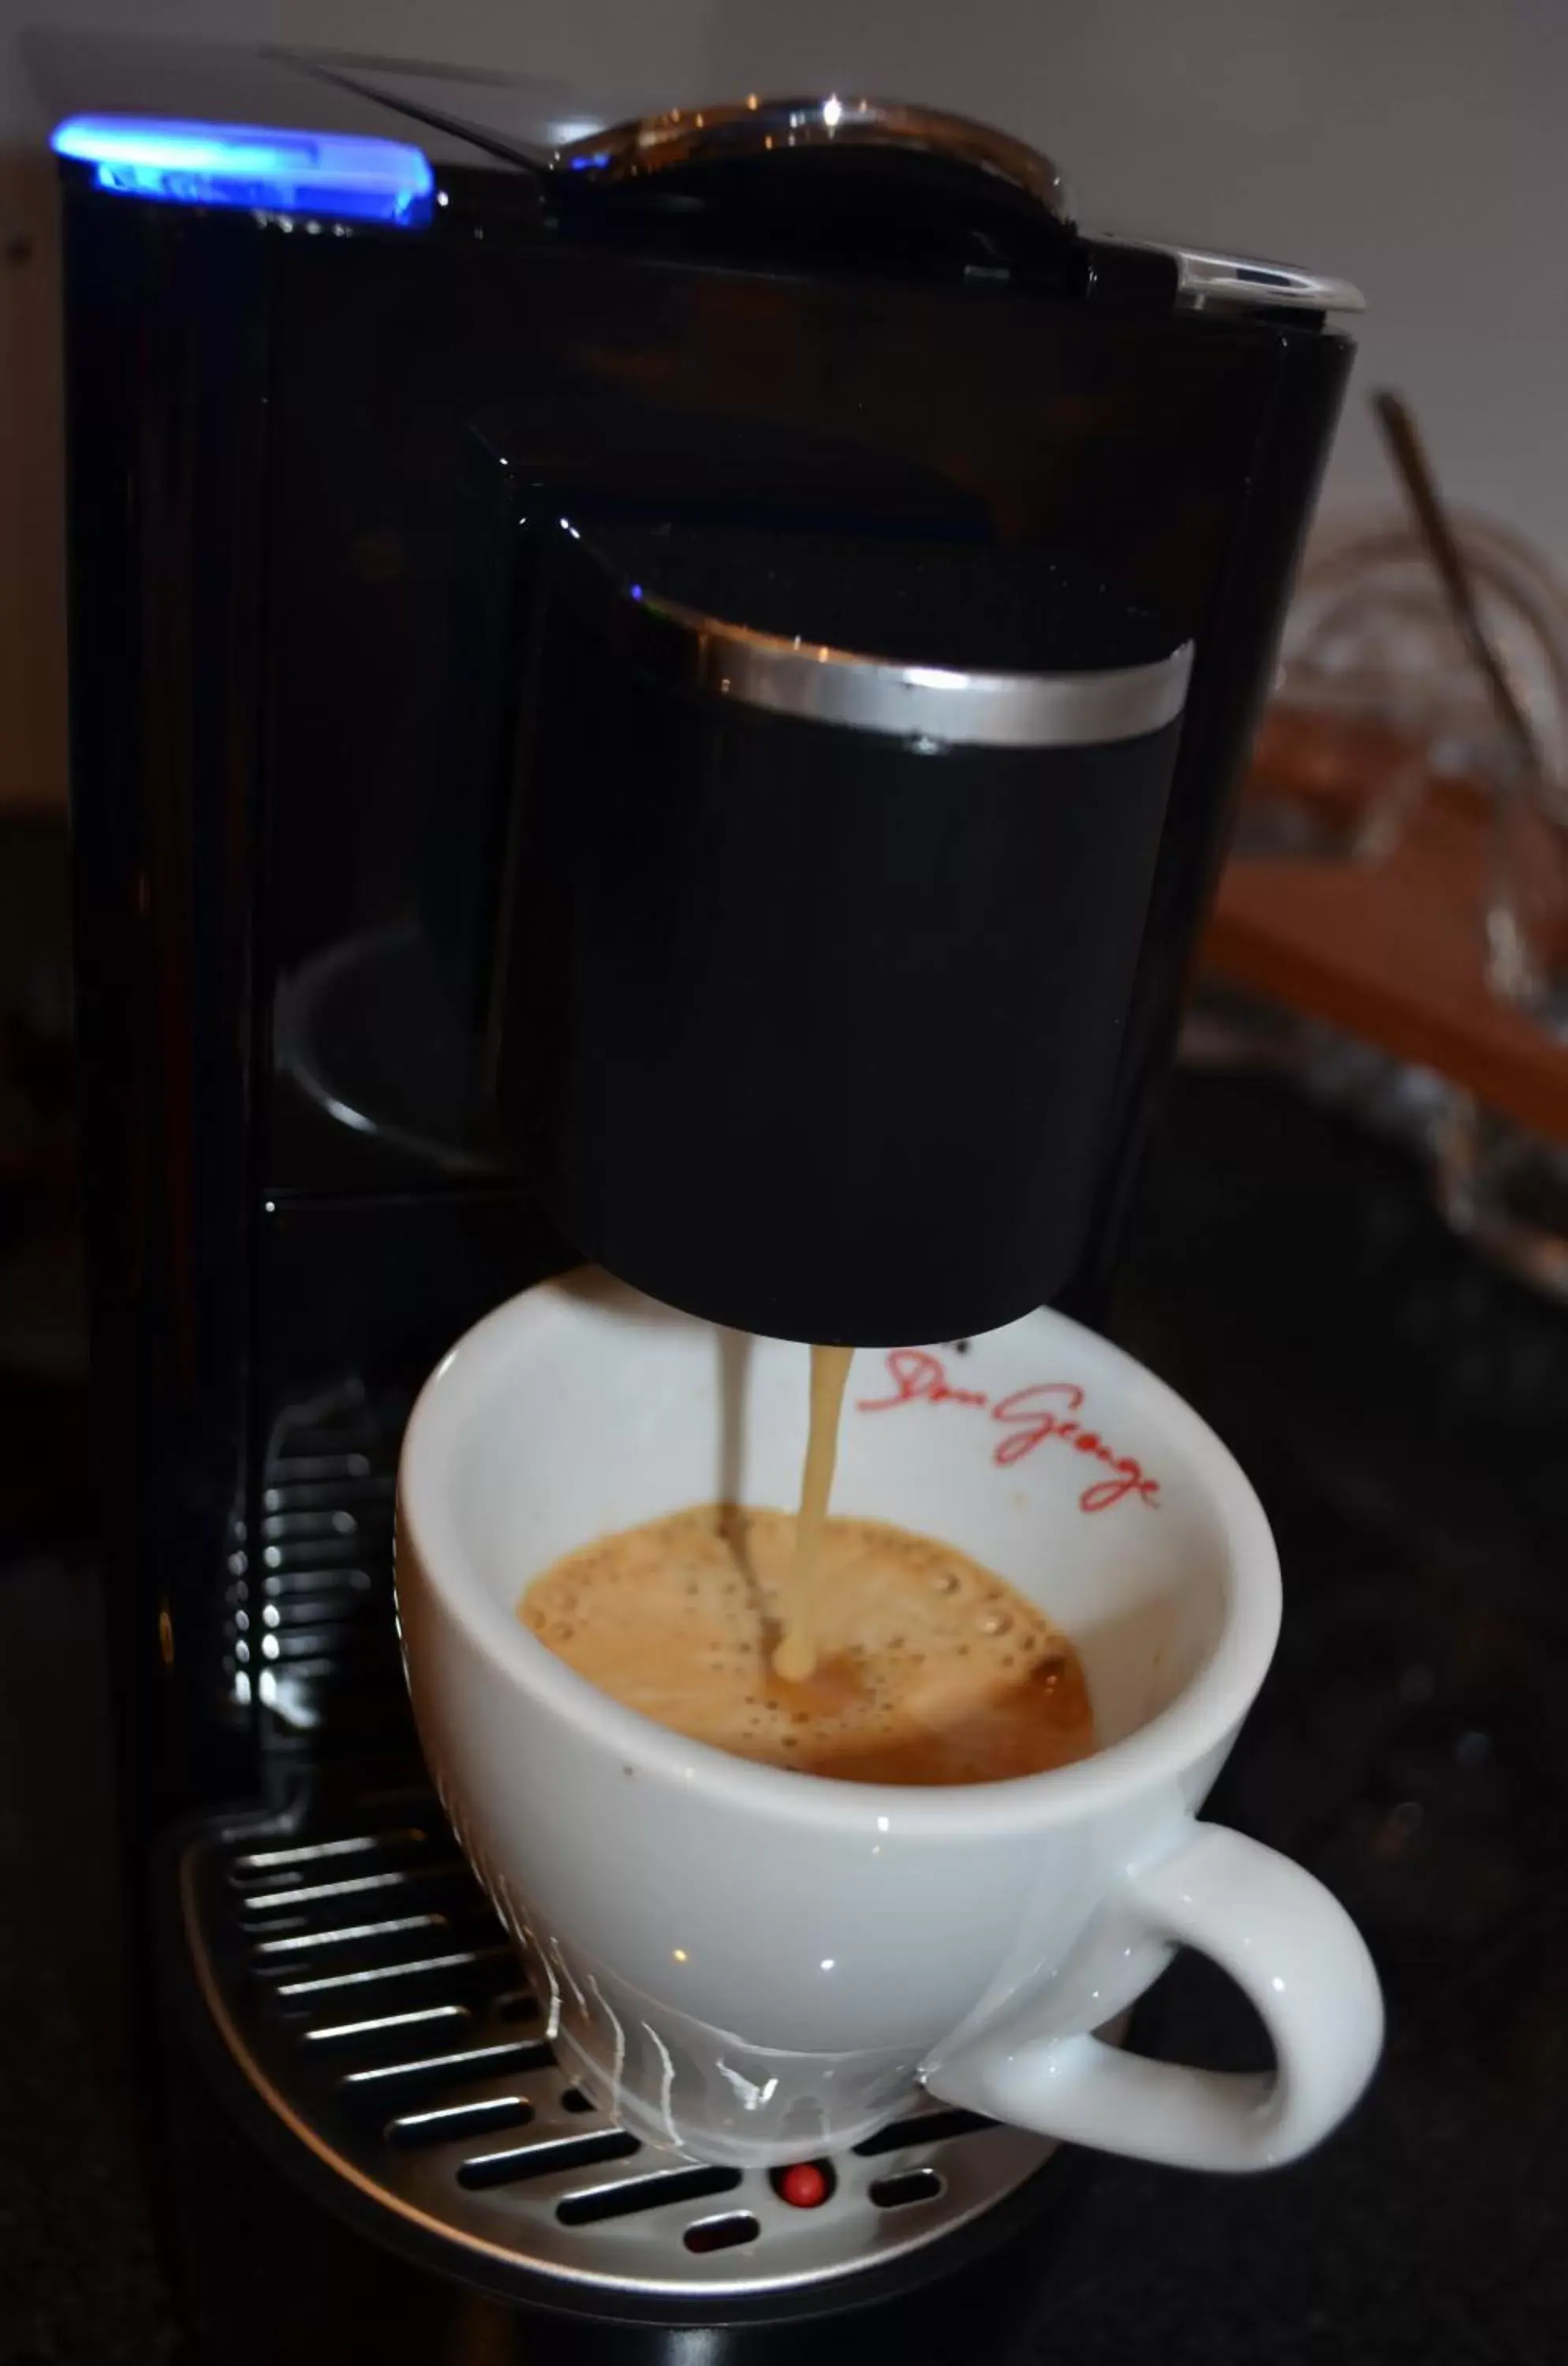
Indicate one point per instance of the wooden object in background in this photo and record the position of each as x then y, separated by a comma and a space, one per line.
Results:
1392, 952
32, 546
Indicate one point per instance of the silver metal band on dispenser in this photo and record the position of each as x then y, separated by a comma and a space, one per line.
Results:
819, 685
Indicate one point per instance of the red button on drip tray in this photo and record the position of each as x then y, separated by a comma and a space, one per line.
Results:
803, 2185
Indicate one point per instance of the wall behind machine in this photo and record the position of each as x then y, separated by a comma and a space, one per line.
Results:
1415, 147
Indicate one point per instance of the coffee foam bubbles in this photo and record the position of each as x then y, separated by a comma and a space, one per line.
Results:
929, 1670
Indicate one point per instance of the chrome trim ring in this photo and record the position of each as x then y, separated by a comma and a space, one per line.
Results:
753, 127
932, 704
1207, 278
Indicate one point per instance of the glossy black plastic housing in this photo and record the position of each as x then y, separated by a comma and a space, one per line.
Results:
809, 1029
302, 608
308, 466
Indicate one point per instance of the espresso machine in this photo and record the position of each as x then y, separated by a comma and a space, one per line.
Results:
663, 689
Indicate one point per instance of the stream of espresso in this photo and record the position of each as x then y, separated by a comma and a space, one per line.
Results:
838, 1646
796, 1656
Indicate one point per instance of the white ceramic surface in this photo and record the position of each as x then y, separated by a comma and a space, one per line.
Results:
756, 1965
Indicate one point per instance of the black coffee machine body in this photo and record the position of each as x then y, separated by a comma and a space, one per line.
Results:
421, 499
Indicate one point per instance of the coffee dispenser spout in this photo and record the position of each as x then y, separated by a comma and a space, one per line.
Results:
828, 893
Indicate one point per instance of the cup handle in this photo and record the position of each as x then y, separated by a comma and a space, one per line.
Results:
1287, 1943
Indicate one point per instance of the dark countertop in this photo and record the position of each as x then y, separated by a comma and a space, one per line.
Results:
1403, 1412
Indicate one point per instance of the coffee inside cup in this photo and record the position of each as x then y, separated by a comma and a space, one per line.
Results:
928, 1668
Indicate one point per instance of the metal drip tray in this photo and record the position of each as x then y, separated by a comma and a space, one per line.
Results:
364, 1987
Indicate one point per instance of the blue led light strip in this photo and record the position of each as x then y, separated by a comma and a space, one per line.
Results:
330, 175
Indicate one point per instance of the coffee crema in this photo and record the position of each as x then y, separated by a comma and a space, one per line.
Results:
928, 1668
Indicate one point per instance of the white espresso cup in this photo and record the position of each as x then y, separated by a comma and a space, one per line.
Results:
753, 1966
